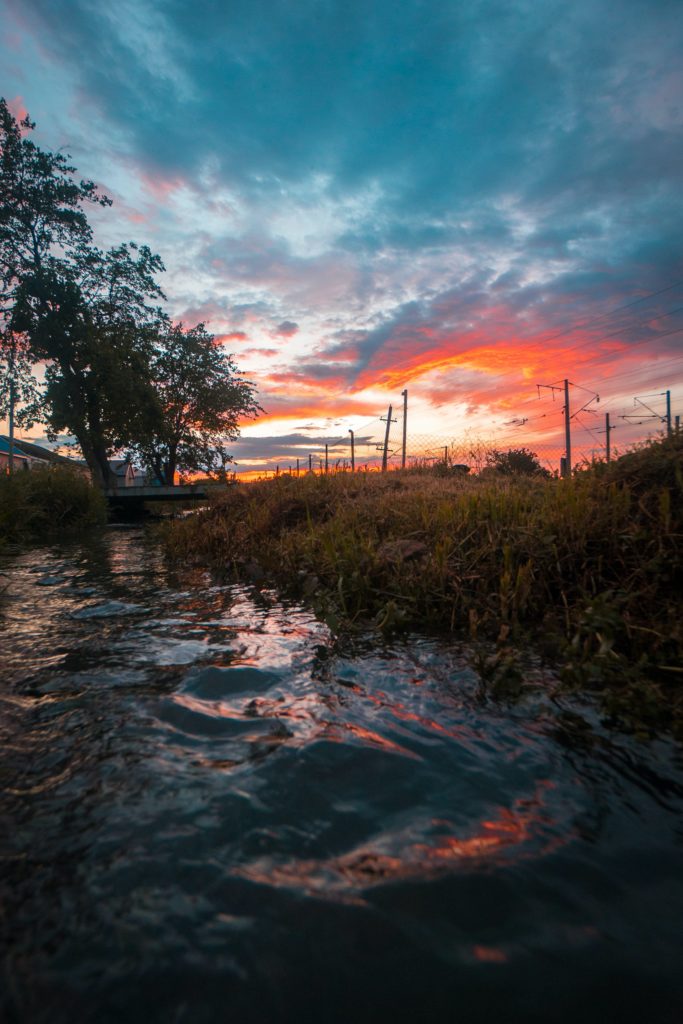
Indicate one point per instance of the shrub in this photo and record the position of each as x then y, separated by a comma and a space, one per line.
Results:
516, 461
46, 502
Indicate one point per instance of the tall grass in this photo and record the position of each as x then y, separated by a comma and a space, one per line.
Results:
592, 566
46, 503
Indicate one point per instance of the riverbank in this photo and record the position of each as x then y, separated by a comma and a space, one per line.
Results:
47, 503
589, 570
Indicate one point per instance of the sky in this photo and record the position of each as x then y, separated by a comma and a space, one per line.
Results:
462, 199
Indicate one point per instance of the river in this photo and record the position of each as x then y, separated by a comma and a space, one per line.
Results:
214, 810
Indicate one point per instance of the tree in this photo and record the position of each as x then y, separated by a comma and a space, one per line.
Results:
87, 314
516, 461
40, 221
201, 398
95, 331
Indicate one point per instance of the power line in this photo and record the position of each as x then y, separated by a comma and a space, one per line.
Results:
618, 309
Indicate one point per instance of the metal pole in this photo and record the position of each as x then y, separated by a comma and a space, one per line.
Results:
668, 413
385, 453
567, 430
326, 458
608, 447
353, 452
405, 427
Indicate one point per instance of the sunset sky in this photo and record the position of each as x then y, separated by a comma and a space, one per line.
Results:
461, 198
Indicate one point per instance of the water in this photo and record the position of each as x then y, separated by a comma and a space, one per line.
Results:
213, 811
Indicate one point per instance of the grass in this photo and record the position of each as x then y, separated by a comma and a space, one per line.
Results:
589, 569
46, 503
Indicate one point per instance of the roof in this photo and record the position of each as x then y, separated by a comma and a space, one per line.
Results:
35, 451
120, 466
4, 448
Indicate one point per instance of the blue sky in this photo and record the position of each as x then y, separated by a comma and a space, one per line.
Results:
362, 197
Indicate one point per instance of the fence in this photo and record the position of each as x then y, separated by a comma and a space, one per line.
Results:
376, 444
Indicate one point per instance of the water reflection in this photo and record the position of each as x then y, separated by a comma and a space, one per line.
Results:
212, 803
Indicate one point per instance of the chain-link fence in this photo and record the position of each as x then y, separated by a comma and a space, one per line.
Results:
372, 447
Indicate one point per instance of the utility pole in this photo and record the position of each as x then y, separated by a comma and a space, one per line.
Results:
10, 457
678, 424
668, 413
353, 452
405, 427
326, 458
310, 463
567, 431
445, 455
385, 453
297, 467
608, 448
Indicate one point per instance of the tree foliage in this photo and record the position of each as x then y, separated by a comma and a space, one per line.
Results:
516, 461
200, 399
117, 373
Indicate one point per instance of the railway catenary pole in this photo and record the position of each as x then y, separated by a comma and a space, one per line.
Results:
567, 431
385, 453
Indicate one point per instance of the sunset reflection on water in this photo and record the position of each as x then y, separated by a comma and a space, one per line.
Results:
212, 801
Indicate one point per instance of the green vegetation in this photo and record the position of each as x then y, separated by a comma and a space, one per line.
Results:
515, 461
47, 503
589, 569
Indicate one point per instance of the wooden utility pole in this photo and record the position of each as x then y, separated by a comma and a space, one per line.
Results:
10, 457
405, 427
608, 428
385, 453
668, 413
353, 452
567, 431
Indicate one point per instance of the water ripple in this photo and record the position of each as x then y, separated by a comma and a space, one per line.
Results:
213, 803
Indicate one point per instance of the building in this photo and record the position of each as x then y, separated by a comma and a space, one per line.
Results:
21, 461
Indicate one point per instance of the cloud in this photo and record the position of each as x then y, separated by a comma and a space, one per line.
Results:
287, 329
446, 195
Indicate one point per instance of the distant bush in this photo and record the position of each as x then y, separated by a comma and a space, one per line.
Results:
516, 462
47, 502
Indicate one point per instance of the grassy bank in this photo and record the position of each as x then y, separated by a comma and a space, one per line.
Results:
590, 568
44, 504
